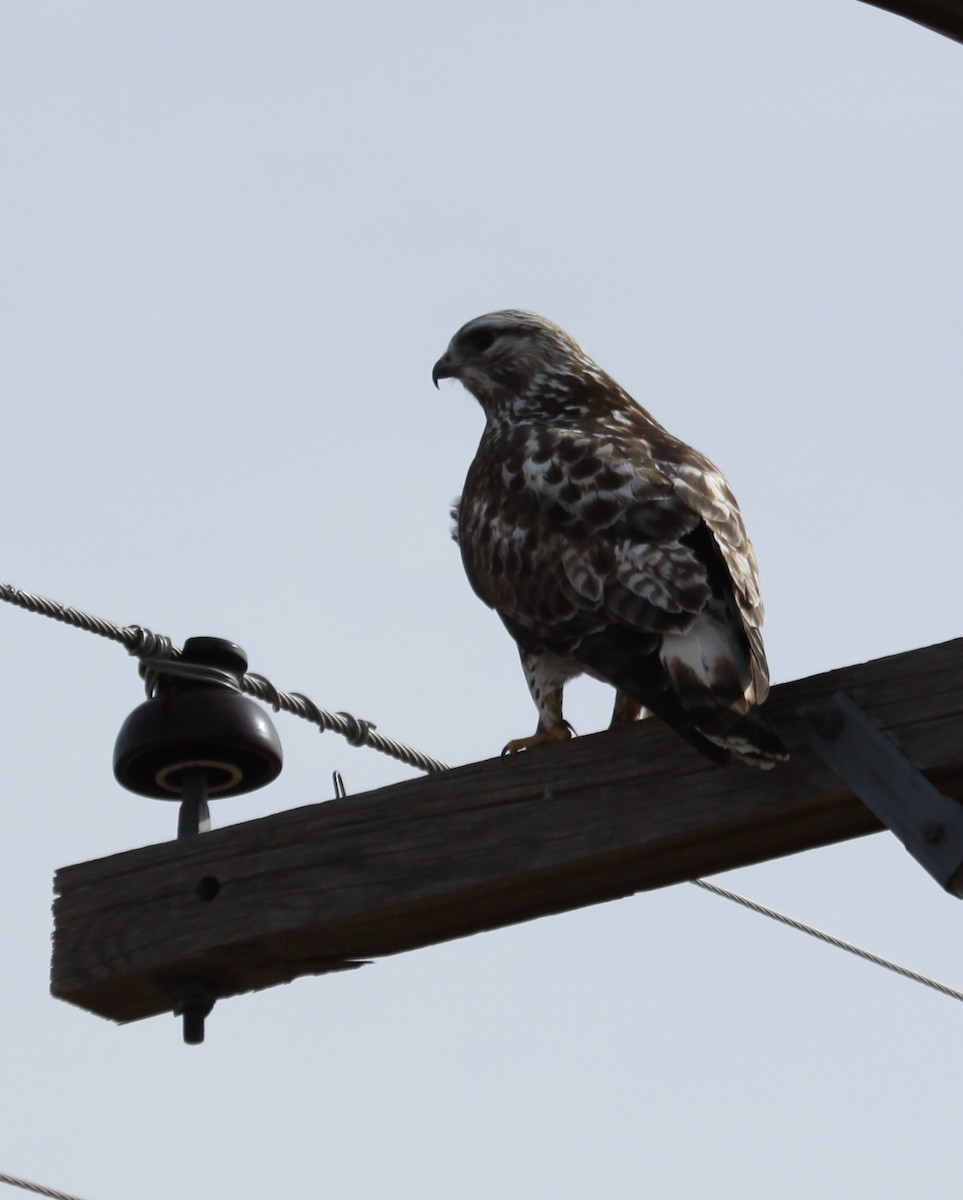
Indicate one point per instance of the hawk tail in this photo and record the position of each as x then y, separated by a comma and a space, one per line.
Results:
748, 738
701, 686
719, 692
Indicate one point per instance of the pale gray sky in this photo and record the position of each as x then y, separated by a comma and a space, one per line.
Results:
235, 238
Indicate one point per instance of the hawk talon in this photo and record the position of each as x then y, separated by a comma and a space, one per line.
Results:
543, 737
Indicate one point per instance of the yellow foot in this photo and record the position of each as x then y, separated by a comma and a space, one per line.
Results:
626, 712
544, 737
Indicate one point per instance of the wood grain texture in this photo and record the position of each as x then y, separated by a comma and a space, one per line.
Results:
317, 889
942, 16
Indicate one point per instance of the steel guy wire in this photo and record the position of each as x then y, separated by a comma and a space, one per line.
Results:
36, 1187
828, 938
156, 652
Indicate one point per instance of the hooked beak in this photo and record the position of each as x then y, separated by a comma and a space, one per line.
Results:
444, 368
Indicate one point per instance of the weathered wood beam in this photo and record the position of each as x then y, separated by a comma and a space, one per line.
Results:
942, 16
317, 889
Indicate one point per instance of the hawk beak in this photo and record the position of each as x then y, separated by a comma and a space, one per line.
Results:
444, 368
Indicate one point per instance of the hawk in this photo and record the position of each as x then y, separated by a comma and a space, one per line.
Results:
606, 545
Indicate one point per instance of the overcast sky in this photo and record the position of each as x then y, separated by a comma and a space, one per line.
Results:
234, 240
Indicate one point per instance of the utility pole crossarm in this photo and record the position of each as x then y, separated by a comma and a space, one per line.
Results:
319, 888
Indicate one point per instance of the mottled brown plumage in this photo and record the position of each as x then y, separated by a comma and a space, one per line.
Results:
605, 544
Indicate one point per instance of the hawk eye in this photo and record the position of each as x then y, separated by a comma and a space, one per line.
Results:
479, 340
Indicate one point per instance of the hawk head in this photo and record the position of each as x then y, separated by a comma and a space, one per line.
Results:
513, 361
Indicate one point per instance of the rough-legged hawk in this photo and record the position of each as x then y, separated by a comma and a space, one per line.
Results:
606, 545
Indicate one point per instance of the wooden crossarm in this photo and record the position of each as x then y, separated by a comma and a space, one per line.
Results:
320, 888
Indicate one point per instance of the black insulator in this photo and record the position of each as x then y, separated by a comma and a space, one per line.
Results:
198, 724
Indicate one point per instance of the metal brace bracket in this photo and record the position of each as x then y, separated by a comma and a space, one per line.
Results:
929, 824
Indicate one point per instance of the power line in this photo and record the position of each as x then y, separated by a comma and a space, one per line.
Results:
36, 1187
829, 939
145, 645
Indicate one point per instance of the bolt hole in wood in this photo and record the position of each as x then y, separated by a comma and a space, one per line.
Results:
208, 888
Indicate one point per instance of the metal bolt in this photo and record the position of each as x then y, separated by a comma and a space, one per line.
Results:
826, 723
193, 1000
932, 832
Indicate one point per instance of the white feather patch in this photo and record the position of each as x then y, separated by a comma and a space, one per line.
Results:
705, 650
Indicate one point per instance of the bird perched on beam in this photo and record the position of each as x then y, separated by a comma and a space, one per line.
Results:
606, 545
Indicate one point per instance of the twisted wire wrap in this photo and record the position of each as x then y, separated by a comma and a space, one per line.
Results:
158, 654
